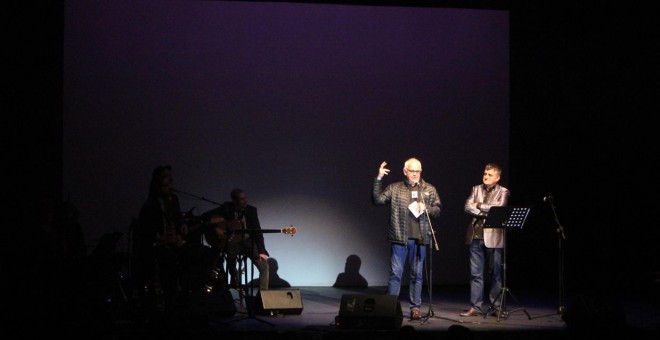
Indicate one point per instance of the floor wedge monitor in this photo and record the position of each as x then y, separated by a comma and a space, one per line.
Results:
369, 312
279, 301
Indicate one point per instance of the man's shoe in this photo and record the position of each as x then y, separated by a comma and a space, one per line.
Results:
472, 312
415, 314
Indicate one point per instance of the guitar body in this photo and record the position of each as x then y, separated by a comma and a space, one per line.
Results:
231, 231
220, 232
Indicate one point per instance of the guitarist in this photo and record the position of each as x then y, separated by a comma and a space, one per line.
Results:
240, 215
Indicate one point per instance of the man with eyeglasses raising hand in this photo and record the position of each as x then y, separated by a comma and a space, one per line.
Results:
412, 202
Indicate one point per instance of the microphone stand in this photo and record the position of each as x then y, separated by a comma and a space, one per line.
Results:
195, 197
561, 237
429, 255
431, 313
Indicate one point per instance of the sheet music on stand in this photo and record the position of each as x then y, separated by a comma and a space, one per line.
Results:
506, 217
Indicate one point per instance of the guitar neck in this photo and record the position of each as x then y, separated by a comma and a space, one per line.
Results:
287, 230
272, 230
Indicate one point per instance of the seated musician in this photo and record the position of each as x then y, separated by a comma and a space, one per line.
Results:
239, 225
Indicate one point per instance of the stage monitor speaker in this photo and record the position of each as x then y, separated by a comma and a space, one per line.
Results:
279, 301
369, 312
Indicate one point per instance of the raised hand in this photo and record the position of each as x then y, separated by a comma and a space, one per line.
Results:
383, 171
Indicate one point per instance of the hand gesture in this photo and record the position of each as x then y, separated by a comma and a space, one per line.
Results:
383, 171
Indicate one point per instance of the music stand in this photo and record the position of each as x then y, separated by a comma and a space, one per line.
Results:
505, 218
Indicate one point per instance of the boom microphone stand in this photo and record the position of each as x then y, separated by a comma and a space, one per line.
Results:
194, 196
561, 237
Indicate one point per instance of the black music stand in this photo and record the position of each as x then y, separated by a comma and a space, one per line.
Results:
505, 218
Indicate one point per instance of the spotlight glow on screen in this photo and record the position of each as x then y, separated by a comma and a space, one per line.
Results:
297, 104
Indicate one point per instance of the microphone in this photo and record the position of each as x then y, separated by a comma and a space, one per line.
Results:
547, 199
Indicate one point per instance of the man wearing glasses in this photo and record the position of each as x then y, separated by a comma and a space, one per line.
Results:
412, 202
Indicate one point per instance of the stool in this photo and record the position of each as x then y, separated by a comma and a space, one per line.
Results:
240, 277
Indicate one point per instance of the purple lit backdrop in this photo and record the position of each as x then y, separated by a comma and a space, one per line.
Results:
298, 104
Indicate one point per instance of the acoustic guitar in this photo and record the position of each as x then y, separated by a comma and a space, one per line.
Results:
234, 231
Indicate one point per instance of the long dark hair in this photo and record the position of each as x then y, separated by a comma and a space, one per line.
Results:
157, 180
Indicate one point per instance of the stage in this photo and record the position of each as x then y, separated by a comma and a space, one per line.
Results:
312, 313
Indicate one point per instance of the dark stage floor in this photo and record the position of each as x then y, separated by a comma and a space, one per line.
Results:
311, 313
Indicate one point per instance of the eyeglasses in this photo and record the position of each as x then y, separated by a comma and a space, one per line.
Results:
414, 171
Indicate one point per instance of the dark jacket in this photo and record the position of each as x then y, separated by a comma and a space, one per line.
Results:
397, 195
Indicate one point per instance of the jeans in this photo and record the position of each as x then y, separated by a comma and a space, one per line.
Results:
484, 263
414, 255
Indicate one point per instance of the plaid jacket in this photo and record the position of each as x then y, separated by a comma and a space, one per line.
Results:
397, 195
